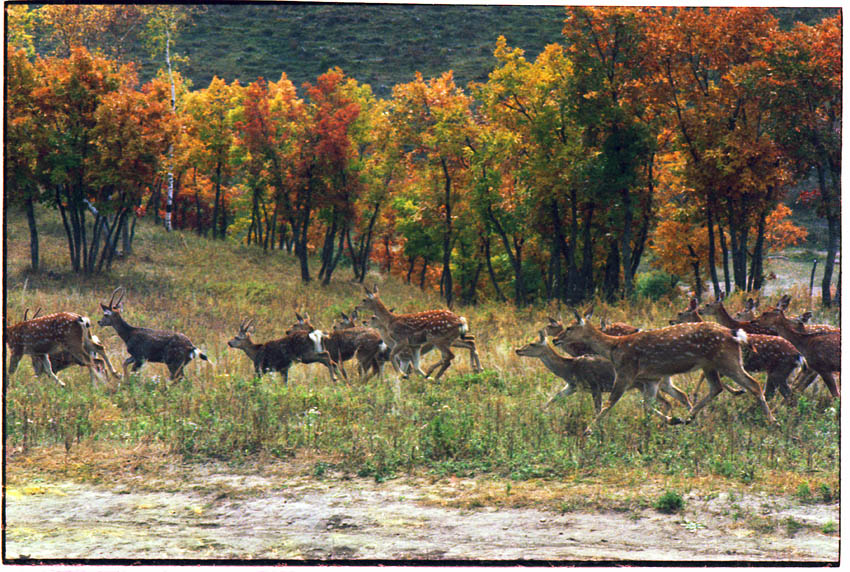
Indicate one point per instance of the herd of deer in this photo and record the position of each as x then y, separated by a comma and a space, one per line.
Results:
612, 359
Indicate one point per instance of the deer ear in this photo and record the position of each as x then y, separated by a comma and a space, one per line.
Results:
578, 317
542, 335
344, 317
693, 305
807, 315
552, 320
588, 314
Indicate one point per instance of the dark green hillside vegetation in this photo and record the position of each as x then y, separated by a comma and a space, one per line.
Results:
488, 423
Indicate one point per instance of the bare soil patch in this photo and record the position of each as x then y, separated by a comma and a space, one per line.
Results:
282, 511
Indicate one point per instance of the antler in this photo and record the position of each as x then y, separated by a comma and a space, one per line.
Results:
112, 298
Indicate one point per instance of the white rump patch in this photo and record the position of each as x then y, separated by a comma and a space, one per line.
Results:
464, 327
741, 336
195, 353
383, 347
316, 336
84, 321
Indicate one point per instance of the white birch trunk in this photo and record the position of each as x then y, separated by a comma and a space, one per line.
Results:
170, 193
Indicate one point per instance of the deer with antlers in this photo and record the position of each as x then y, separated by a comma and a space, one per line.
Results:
664, 352
42, 336
280, 354
768, 353
173, 349
822, 349
412, 331
595, 373
372, 353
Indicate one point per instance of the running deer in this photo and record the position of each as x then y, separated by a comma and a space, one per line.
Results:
555, 327
372, 353
405, 357
345, 343
771, 354
412, 331
594, 373
64, 359
41, 336
749, 311
173, 349
822, 350
667, 351
280, 354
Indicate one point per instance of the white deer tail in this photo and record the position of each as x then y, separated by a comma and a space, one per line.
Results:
741, 337
197, 353
464, 327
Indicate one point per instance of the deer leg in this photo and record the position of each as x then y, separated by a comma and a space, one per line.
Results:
714, 389
667, 387
330, 364
621, 383
49, 369
14, 359
829, 380
568, 390
109, 367
448, 356
749, 383
417, 366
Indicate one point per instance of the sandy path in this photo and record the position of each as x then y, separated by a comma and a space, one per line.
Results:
362, 520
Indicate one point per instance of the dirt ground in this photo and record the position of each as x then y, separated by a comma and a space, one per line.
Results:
213, 512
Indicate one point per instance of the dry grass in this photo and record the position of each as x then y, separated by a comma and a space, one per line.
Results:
486, 427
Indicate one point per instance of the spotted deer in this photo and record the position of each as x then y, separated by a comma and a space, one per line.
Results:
51, 334
555, 327
822, 350
64, 359
279, 355
173, 349
372, 353
345, 343
594, 373
667, 351
749, 311
771, 354
439, 328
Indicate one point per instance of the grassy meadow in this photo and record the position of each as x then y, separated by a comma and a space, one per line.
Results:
490, 423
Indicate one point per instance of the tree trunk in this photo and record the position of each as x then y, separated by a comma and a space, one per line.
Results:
712, 262
489, 260
170, 194
217, 198
830, 198
33, 233
611, 282
756, 266
587, 256
626, 240
446, 282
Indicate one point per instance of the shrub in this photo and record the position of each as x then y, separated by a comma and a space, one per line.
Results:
654, 284
670, 502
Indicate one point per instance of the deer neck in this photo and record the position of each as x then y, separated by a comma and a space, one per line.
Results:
554, 362
250, 348
125, 331
382, 312
725, 319
600, 342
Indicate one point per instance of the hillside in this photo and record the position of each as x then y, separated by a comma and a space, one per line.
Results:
381, 45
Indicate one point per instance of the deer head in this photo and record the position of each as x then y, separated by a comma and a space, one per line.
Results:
690, 314
301, 325
536, 348
243, 338
112, 311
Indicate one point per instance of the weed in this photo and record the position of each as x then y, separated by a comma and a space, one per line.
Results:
829, 527
804, 493
825, 493
792, 527
670, 502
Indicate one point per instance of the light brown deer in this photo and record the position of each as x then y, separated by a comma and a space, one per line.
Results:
667, 351
63, 360
822, 350
771, 354
749, 311
437, 327
555, 327
51, 334
279, 355
595, 373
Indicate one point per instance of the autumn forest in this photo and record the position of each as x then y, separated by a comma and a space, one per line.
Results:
647, 137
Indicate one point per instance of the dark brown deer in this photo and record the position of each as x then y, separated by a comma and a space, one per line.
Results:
280, 354
822, 350
173, 349
667, 351
771, 354
595, 373
372, 353
51, 334
344, 343
437, 327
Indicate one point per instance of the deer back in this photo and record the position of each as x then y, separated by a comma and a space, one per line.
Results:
48, 334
